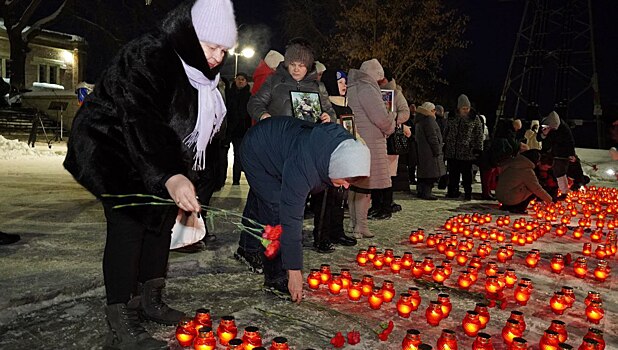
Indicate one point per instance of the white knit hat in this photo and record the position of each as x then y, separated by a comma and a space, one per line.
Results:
214, 22
552, 120
350, 159
319, 66
273, 58
428, 106
373, 68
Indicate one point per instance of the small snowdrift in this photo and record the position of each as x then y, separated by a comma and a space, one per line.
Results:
15, 149
598, 164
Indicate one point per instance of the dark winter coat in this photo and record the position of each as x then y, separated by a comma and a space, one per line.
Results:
127, 136
284, 160
504, 145
429, 146
274, 95
238, 119
374, 125
463, 137
517, 182
559, 142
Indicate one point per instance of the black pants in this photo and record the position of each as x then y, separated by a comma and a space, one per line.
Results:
382, 199
133, 252
237, 167
519, 207
457, 168
330, 226
412, 159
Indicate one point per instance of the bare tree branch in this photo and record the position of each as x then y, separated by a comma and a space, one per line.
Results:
103, 29
25, 17
38, 25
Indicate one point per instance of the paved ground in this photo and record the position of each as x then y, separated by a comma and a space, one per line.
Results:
52, 292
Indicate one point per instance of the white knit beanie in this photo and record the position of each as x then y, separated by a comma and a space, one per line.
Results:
273, 58
319, 66
373, 68
214, 22
350, 159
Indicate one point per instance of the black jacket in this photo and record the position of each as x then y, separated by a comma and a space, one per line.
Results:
238, 119
559, 142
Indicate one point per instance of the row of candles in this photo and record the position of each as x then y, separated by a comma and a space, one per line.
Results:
197, 332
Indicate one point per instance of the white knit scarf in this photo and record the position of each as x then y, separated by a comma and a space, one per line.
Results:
210, 113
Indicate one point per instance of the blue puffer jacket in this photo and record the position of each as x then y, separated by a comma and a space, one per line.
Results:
285, 159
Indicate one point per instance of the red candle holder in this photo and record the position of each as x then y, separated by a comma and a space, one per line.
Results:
511, 331
279, 343
510, 278
476, 262
502, 255
389, 255
596, 235
596, 334
404, 305
461, 257
519, 317
557, 263
362, 257
378, 261
202, 319
483, 312
560, 328
492, 285
367, 285
592, 296
578, 232
532, 259
375, 299
447, 340
428, 265
510, 250
451, 251
569, 295
448, 268
417, 269
413, 238
185, 332
371, 252
580, 267
346, 278
251, 338
407, 261
415, 297
335, 284
549, 340
431, 241
601, 272
325, 274
474, 273
589, 344
433, 313
420, 233
558, 303
205, 339
388, 291
445, 303
396, 264
412, 340
235, 344
522, 294
471, 323
439, 275
518, 343
355, 292
464, 281
314, 279
491, 269
595, 312
483, 342
227, 329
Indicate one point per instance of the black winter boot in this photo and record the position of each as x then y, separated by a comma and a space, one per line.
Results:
126, 333
152, 306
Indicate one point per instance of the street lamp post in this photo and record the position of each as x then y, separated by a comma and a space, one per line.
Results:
246, 52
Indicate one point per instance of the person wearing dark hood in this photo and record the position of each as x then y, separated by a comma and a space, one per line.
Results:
557, 139
297, 72
518, 184
144, 129
284, 159
328, 205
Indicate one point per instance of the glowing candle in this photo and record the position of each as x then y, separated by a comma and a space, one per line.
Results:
415, 297
378, 261
404, 305
522, 294
325, 273
580, 267
362, 257
251, 338
471, 323
491, 269
185, 332
462, 257
417, 269
476, 262
227, 329
510, 278
447, 340
235, 344
483, 342
483, 312
375, 299
596, 334
600, 252
518, 343
355, 291
492, 285
560, 328
578, 232
510, 250
314, 279
589, 344
420, 233
335, 284
279, 343
592, 296
367, 285
441, 247
428, 265
558, 303
502, 255
474, 273
388, 291
389, 255
596, 235
412, 340
451, 251
601, 272
561, 230
371, 252
346, 278
464, 281
448, 268
557, 263
569, 295
532, 259
407, 261
445, 303
205, 339
439, 275
510, 331
433, 313
595, 312
519, 317
202, 319
431, 241
413, 238
549, 340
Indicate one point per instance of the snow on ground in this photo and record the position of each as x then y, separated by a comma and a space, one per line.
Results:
52, 293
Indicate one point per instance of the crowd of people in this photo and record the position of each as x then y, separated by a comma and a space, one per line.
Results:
161, 120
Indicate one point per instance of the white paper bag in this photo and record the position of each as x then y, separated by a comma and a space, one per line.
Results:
187, 230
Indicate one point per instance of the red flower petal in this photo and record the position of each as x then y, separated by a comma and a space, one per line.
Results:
353, 337
272, 232
338, 340
272, 249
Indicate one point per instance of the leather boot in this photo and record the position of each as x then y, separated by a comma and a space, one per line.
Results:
152, 306
361, 207
125, 331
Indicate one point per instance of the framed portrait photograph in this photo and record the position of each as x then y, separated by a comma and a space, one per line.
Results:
388, 97
347, 121
306, 105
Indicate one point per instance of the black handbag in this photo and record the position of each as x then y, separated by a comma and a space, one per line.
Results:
397, 142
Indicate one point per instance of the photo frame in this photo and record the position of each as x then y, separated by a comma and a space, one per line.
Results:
347, 121
388, 97
306, 105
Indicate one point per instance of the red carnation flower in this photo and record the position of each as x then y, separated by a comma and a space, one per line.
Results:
272, 249
383, 336
338, 340
353, 337
272, 232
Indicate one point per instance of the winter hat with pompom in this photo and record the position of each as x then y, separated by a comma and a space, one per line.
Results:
373, 68
214, 22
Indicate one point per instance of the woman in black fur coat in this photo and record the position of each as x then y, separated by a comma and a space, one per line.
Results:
141, 131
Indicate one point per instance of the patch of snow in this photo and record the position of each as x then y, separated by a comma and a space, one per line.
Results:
15, 149
47, 86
